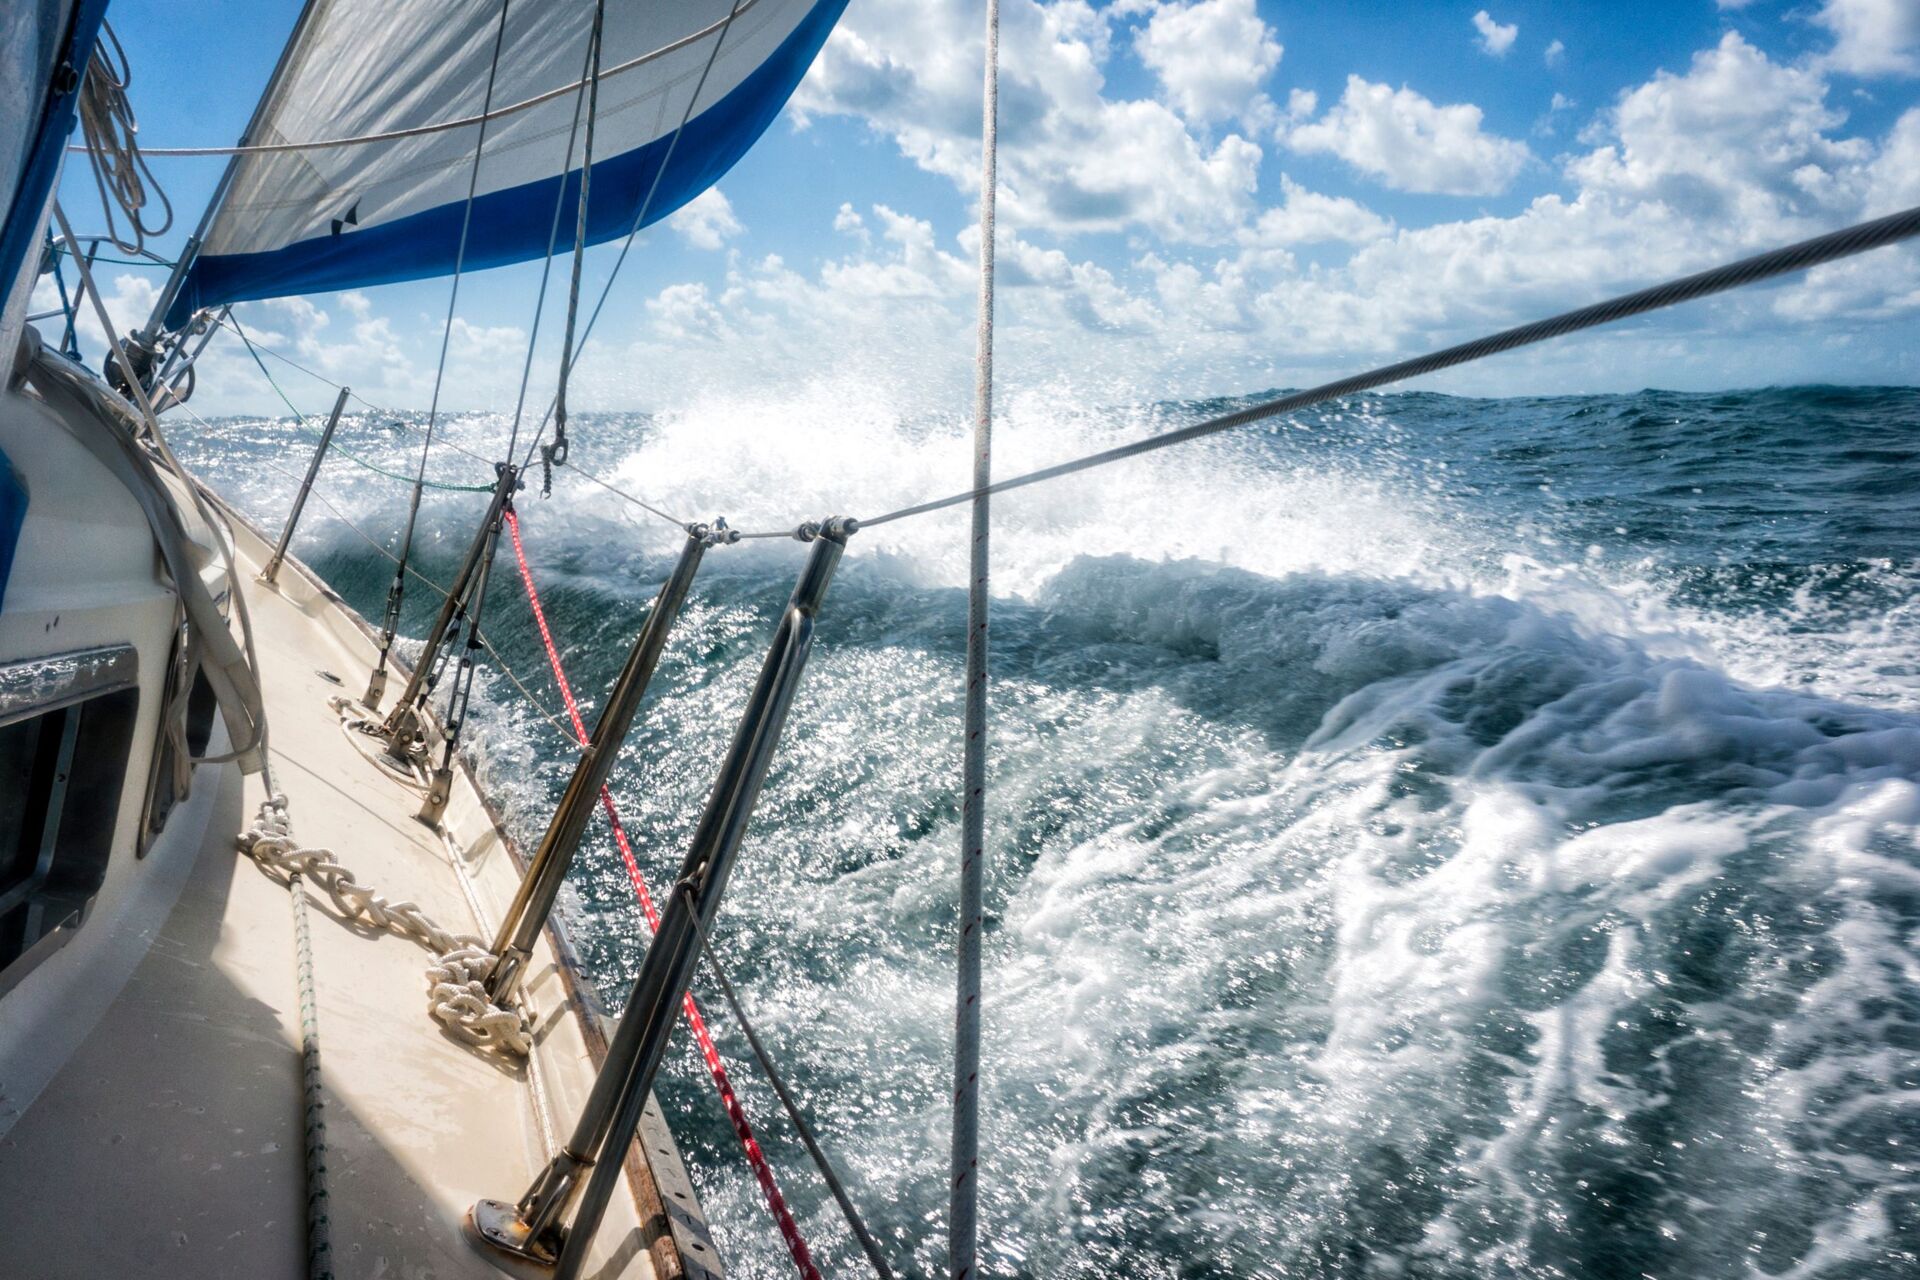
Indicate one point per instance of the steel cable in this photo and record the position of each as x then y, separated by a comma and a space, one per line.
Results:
1803, 256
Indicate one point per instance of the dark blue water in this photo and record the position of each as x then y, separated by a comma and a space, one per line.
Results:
1433, 837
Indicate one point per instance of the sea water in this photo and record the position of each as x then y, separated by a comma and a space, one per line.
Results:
1428, 836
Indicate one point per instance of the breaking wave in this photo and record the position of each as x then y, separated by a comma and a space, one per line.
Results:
1435, 837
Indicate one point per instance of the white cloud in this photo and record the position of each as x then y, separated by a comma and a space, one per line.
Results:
1872, 37
1211, 57
1227, 278
1071, 158
707, 221
1738, 144
1307, 217
686, 312
1556, 53
1412, 144
1495, 38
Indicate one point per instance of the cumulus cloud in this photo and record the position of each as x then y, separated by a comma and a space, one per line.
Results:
1556, 53
1211, 57
707, 221
1222, 277
1739, 141
1872, 37
1072, 159
1307, 217
1411, 143
1495, 38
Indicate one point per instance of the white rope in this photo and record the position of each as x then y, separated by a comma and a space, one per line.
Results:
108, 124
456, 994
963, 1227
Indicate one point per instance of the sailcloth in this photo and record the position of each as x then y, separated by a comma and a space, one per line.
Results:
381, 209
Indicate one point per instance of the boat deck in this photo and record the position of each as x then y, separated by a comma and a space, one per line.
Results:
171, 1142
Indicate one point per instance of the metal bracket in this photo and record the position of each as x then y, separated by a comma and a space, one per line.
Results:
612, 1112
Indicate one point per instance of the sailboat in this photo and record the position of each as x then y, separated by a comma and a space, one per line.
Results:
279, 992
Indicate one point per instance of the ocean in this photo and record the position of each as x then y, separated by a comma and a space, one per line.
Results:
1430, 837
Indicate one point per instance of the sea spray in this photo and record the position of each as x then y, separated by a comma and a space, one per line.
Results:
1433, 837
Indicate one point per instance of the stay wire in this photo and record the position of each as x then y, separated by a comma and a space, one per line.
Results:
395, 415
592, 70
855, 1223
1835, 245
396, 593
455, 445
533, 701
340, 449
555, 454
640, 218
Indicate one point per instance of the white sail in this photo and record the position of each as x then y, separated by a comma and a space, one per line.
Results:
400, 88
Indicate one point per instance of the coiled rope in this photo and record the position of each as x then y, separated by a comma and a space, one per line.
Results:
722, 1082
456, 996
119, 170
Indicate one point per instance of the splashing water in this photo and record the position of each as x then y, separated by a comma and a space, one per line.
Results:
1435, 837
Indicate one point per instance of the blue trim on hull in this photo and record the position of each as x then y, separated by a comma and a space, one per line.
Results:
13, 515
512, 225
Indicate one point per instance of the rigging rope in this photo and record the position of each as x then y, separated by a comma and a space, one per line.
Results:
340, 449
396, 592
722, 1083
641, 503
827, 1172
553, 235
1807, 254
963, 1226
313, 1096
640, 218
551, 720
555, 454
119, 171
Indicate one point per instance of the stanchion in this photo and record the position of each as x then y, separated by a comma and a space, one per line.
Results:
533, 901
306, 487
402, 724
532, 1228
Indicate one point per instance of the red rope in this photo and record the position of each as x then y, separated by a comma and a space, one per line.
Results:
762, 1171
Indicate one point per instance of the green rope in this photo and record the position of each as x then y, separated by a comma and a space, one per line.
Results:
345, 452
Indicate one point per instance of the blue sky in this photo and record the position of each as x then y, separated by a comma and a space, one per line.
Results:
1199, 196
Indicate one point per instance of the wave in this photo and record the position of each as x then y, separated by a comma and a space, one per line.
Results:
1433, 837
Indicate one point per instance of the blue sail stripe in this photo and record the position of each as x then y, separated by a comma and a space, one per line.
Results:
512, 225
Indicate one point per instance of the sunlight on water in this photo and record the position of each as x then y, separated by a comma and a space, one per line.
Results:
1432, 838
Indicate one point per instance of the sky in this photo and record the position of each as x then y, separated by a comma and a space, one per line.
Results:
1196, 198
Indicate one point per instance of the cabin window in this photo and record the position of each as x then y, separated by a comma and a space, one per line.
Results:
66, 729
